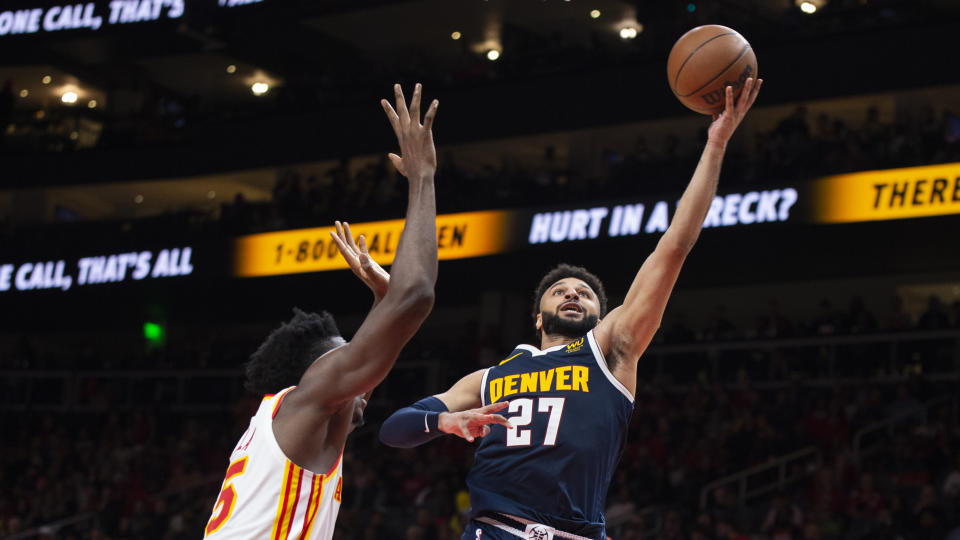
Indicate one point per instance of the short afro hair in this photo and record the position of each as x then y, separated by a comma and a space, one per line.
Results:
564, 271
289, 350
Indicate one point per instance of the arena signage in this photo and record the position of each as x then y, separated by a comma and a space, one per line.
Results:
632, 219
912, 192
95, 270
94, 15
470, 234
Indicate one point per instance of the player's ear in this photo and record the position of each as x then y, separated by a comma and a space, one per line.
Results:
539, 323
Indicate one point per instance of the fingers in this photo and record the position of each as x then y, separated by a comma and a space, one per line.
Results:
391, 116
341, 246
729, 100
363, 245
397, 163
497, 419
431, 114
745, 94
415, 104
401, 106
492, 408
348, 234
754, 92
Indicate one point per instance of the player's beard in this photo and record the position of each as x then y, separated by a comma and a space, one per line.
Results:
554, 325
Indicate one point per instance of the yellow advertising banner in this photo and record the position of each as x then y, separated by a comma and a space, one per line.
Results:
932, 190
469, 234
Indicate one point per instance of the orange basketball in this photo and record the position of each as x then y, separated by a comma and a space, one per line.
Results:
706, 60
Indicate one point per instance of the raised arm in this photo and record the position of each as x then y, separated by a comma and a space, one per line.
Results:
361, 364
626, 331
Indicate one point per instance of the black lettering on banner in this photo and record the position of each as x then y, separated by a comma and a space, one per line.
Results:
442, 236
374, 246
956, 190
458, 234
332, 250
318, 249
899, 193
938, 186
918, 192
879, 189
302, 251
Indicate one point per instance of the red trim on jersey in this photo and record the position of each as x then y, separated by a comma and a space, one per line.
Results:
276, 406
313, 506
335, 463
296, 500
281, 517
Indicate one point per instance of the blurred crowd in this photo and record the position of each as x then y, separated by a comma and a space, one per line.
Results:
152, 473
127, 458
798, 149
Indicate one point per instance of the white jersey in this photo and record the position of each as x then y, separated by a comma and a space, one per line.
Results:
265, 496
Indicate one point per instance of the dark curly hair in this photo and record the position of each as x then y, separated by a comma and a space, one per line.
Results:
289, 350
564, 271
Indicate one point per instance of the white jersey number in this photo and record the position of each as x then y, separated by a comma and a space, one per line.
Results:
523, 437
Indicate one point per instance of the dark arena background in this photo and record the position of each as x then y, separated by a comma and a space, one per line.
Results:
169, 170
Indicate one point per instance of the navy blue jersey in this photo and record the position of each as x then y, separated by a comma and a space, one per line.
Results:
570, 418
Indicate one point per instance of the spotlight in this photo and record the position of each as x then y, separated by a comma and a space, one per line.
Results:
74, 135
69, 97
231, 69
24, 93
92, 104
595, 14
628, 33
493, 54
259, 88
46, 79
810, 6
455, 36
211, 194
138, 199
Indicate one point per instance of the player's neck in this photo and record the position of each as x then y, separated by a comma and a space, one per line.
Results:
548, 341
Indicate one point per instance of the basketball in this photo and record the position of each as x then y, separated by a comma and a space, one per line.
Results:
706, 60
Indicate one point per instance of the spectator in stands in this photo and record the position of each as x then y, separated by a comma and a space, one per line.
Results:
935, 317
784, 519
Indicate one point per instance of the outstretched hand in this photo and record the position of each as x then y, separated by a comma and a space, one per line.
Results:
473, 423
418, 157
725, 123
357, 256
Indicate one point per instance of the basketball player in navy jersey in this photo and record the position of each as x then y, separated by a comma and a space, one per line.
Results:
544, 473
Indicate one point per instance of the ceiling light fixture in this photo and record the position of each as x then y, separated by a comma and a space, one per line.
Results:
259, 88
69, 97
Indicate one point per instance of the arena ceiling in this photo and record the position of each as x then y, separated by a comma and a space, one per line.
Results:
308, 45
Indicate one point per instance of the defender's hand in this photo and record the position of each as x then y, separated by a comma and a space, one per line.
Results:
473, 423
725, 123
418, 157
359, 260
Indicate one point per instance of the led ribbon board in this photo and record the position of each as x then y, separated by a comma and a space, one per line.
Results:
42, 17
95, 270
470, 234
912, 192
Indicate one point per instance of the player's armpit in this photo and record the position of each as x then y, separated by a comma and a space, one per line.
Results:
465, 394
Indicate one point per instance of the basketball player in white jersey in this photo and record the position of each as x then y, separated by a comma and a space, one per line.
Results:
283, 480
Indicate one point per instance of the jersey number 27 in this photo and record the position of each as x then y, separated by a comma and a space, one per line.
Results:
517, 436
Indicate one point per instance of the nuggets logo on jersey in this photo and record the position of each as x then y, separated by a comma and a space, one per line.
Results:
569, 418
